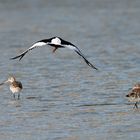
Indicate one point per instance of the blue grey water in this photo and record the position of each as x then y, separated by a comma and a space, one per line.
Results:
63, 98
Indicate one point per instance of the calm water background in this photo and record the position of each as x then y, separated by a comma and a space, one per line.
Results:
63, 98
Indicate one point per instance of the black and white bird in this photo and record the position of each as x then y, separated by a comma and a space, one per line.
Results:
55, 42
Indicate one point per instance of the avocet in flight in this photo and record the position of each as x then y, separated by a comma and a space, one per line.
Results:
55, 42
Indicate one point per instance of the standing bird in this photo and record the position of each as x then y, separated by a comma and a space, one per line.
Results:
55, 42
15, 86
134, 95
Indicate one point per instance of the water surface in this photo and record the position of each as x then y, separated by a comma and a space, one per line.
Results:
63, 98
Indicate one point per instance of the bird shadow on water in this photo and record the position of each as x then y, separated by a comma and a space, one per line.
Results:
120, 106
102, 104
32, 97
109, 104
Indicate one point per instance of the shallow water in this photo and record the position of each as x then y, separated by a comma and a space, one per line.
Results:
63, 98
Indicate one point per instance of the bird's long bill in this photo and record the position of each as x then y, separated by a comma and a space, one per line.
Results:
3, 82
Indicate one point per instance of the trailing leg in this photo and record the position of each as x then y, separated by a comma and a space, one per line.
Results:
55, 48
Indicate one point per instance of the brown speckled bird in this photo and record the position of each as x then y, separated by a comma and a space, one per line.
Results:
134, 95
15, 86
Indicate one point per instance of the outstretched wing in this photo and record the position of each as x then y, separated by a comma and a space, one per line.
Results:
76, 49
37, 44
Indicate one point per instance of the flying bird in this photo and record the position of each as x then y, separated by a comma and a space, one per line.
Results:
134, 95
15, 86
55, 42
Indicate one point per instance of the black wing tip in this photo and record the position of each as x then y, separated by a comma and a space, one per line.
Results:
96, 68
13, 58
93, 67
79, 52
19, 56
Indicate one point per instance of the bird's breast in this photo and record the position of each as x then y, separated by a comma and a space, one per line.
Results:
15, 89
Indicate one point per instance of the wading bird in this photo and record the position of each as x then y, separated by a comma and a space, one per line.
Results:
134, 95
15, 86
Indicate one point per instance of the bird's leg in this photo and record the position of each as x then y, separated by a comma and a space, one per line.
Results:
135, 105
55, 48
14, 96
18, 96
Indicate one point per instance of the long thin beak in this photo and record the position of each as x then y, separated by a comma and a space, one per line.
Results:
4, 83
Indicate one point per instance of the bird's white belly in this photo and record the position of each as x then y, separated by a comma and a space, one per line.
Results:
15, 89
